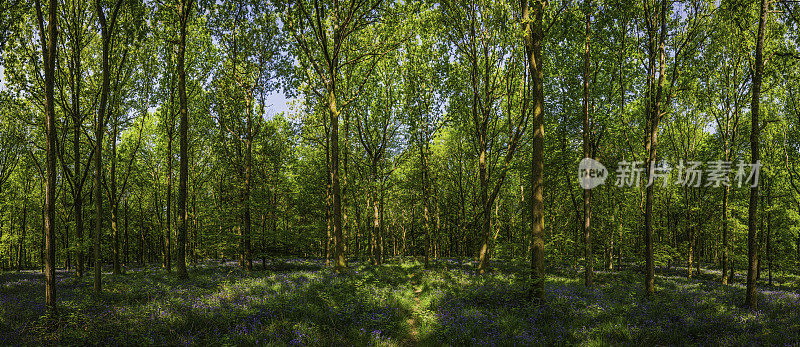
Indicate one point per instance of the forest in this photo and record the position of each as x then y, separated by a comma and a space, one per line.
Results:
393, 173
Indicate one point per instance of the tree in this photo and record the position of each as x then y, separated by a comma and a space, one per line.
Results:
48, 44
751, 301
534, 31
497, 97
376, 130
76, 178
656, 24
322, 33
250, 42
587, 144
422, 107
184, 11
107, 27
727, 64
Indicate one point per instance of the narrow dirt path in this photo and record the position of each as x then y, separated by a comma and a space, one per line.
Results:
412, 322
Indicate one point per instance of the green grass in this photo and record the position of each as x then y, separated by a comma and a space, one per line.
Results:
302, 302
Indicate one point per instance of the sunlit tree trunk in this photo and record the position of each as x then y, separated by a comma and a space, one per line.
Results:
23, 230
340, 263
107, 31
534, 35
140, 251
248, 168
48, 42
587, 194
769, 231
114, 199
656, 56
184, 9
752, 210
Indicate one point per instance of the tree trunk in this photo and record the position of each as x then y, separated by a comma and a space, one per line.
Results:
760, 241
328, 200
587, 194
125, 248
340, 263
751, 300
48, 42
77, 196
100, 122
184, 10
140, 251
381, 229
425, 197
725, 252
769, 231
534, 35
114, 199
23, 230
655, 51
483, 255
247, 254
690, 234
376, 226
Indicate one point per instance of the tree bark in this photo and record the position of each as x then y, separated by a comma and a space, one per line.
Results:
769, 231
654, 90
125, 247
184, 10
107, 31
340, 263
751, 301
114, 200
23, 229
534, 35
48, 45
587, 194
248, 169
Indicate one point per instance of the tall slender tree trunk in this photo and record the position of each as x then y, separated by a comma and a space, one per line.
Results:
114, 200
23, 229
376, 226
48, 42
655, 51
248, 259
725, 253
587, 194
751, 301
423, 149
184, 10
346, 230
340, 263
381, 229
769, 231
486, 215
196, 225
10, 246
328, 200
77, 196
760, 240
140, 250
690, 233
107, 31
534, 35
43, 229
126, 245
157, 211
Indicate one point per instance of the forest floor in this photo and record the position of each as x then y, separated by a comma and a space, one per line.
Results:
302, 302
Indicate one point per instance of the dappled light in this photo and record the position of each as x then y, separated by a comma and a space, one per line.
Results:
399, 303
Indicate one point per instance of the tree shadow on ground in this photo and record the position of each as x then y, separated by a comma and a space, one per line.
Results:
391, 304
